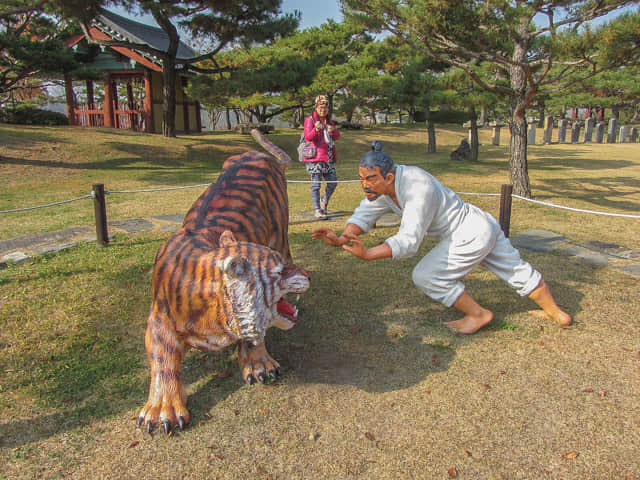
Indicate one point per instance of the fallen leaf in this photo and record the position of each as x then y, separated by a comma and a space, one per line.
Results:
207, 415
392, 371
570, 455
219, 457
213, 446
466, 452
446, 344
602, 393
453, 473
263, 410
587, 390
427, 391
134, 443
369, 436
355, 329
487, 386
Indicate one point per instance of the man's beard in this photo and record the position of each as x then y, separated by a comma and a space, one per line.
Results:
375, 197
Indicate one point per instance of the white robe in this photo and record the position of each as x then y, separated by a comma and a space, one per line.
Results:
468, 236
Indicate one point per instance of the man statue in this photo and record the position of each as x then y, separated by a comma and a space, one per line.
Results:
468, 237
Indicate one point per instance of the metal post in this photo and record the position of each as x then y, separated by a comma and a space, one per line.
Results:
100, 208
505, 208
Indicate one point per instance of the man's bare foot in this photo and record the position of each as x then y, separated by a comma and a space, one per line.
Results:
470, 323
542, 296
562, 318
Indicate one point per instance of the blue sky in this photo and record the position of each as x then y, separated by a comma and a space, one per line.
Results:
314, 13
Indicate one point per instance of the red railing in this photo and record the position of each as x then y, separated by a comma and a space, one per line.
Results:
125, 118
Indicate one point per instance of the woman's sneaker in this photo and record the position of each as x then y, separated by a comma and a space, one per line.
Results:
323, 206
320, 215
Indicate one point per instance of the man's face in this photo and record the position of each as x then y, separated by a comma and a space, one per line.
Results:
373, 183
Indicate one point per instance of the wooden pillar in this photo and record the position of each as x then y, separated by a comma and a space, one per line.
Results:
148, 103
505, 208
71, 100
90, 104
114, 97
100, 209
198, 119
185, 114
185, 104
133, 125
108, 102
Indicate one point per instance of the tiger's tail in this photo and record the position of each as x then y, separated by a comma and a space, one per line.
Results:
277, 152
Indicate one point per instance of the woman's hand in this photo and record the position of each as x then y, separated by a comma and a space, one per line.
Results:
329, 237
318, 126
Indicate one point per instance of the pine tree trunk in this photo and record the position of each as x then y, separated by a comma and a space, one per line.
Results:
474, 135
518, 168
431, 135
518, 103
168, 98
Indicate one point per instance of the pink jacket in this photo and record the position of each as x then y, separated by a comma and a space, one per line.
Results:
317, 138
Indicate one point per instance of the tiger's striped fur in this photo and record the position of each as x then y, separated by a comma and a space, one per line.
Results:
221, 279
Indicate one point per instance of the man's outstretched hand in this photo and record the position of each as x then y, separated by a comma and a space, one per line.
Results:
329, 237
356, 248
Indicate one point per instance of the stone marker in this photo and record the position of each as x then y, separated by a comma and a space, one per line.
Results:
548, 129
562, 130
624, 133
575, 132
600, 132
613, 130
588, 129
531, 138
495, 138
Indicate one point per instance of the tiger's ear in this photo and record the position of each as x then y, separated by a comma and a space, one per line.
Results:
236, 266
227, 238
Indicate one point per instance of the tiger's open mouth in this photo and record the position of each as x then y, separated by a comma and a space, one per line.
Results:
287, 310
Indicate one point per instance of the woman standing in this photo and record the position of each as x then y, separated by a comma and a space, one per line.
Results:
320, 131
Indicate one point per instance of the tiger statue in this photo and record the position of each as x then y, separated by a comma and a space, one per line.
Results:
221, 279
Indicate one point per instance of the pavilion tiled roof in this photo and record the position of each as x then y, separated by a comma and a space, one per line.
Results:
122, 28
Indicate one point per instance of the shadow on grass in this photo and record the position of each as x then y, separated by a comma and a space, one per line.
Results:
361, 324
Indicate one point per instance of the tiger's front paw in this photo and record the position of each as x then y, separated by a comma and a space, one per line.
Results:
257, 365
166, 409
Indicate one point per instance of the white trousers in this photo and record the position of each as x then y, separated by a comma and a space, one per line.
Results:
478, 240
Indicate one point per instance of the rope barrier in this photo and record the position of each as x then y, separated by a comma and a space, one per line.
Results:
47, 205
549, 204
576, 209
158, 189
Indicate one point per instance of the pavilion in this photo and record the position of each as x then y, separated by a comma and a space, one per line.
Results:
130, 96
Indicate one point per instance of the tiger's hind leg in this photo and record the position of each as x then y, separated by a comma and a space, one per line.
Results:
167, 402
256, 363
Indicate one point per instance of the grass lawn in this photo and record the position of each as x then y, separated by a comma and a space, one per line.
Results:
374, 387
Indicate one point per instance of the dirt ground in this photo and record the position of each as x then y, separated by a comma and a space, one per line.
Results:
385, 392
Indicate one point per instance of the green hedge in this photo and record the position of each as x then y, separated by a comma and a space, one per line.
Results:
25, 115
